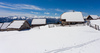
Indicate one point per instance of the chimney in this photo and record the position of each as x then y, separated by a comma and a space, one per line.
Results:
73, 11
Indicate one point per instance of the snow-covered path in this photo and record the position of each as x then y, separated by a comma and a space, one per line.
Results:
77, 39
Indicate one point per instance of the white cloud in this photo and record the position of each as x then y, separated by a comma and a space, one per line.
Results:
59, 10
5, 13
6, 7
19, 6
1, 3
70, 10
46, 13
57, 17
55, 13
48, 17
85, 14
35, 12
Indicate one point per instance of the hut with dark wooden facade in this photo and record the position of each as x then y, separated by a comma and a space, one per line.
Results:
4, 26
92, 17
18, 25
38, 22
68, 18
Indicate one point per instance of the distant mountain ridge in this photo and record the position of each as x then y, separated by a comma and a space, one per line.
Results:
11, 18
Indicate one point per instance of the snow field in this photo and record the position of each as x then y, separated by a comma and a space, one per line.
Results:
77, 39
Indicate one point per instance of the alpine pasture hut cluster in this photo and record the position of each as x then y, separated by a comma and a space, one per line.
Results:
21, 24
38, 22
68, 18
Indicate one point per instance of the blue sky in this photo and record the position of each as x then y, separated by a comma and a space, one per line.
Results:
52, 8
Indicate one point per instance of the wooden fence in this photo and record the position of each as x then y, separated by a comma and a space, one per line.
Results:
95, 26
51, 25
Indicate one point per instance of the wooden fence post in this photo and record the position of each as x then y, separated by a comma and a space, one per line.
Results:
95, 27
53, 25
88, 22
83, 24
69, 24
39, 27
48, 26
98, 27
90, 25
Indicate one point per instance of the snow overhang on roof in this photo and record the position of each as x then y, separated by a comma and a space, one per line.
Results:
38, 21
72, 17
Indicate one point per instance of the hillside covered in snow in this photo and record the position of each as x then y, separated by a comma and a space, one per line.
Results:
74, 39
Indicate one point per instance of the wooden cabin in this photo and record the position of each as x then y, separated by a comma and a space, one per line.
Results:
38, 22
4, 26
18, 25
68, 18
92, 17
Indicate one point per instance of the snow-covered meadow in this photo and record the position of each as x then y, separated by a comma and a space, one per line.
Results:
74, 39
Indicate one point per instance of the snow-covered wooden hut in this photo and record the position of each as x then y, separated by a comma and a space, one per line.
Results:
4, 26
92, 17
38, 22
18, 25
72, 18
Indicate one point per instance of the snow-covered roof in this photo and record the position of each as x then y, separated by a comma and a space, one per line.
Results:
16, 24
72, 16
38, 21
5, 25
94, 16
1, 24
